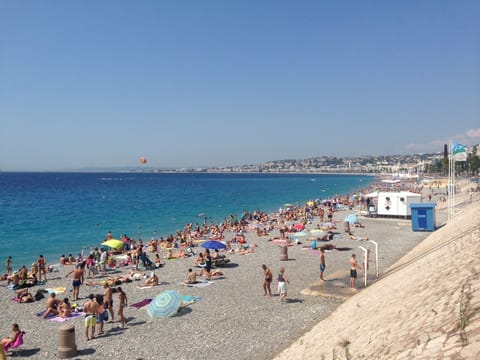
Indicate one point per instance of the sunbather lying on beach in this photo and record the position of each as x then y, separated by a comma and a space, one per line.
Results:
111, 281
172, 255
152, 281
353, 237
24, 296
243, 249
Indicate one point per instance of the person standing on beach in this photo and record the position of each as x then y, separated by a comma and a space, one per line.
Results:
108, 300
322, 263
122, 298
353, 270
8, 265
103, 262
42, 268
282, 281
91, 311
267, 280
78, 278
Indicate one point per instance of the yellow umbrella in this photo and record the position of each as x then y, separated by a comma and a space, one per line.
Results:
113, 243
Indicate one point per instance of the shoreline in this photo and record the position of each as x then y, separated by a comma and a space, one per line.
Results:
84, 246
420, 294
245, 324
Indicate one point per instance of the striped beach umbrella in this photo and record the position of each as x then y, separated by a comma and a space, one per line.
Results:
165, 304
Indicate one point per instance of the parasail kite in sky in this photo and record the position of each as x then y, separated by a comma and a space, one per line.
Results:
143, 160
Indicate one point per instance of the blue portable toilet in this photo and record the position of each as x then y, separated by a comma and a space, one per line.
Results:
423, 217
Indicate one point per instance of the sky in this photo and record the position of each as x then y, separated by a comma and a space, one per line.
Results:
214, 83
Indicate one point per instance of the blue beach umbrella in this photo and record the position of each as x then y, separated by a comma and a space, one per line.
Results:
214, 245
165, 304
351, 219
302, 234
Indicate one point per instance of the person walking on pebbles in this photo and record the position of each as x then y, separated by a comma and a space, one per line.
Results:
322, 263
267, 273
282, 284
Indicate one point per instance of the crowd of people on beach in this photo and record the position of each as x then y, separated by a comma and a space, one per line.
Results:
134, 255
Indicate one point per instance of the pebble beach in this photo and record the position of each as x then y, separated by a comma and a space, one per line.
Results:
231, 319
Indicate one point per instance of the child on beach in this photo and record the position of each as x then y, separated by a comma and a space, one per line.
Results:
8, 341
282, 287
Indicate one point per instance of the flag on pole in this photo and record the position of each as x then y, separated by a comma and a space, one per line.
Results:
459, 152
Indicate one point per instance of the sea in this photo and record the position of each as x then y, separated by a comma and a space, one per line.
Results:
70, 213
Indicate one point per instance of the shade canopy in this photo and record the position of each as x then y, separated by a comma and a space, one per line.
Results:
165, 304
214, 245
114, 243
351, 219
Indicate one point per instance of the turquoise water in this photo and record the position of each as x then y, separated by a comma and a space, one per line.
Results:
61, 213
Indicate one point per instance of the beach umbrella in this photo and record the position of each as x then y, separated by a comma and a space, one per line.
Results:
114, 243
351, 219
165, 304
214, 245
301, 234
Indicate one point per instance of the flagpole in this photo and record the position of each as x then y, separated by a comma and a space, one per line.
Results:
451, 181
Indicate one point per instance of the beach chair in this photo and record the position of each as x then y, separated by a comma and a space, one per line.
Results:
15, 345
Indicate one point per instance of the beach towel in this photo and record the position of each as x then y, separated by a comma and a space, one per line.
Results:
189, 299
56, 318
202, 283
142, 303
74, 315
149, 287
57, 290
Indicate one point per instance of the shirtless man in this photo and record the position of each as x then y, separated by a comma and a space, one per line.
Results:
78, 275
91, 310
108, 300
322, 263
52, 306
42, 268
191, 277
267, 282
353, 271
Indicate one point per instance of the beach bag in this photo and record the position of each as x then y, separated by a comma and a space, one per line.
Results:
105, 315
314, 244
38, 295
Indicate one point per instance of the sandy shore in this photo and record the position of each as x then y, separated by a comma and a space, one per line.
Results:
233, 319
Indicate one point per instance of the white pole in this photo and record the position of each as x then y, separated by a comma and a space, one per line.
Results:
365, 264
451, 181
376, 256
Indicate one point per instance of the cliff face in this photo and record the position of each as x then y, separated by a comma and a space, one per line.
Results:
426, 307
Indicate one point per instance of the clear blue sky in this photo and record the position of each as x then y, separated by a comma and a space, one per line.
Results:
206, 83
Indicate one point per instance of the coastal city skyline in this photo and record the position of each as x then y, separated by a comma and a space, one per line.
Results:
215, 84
